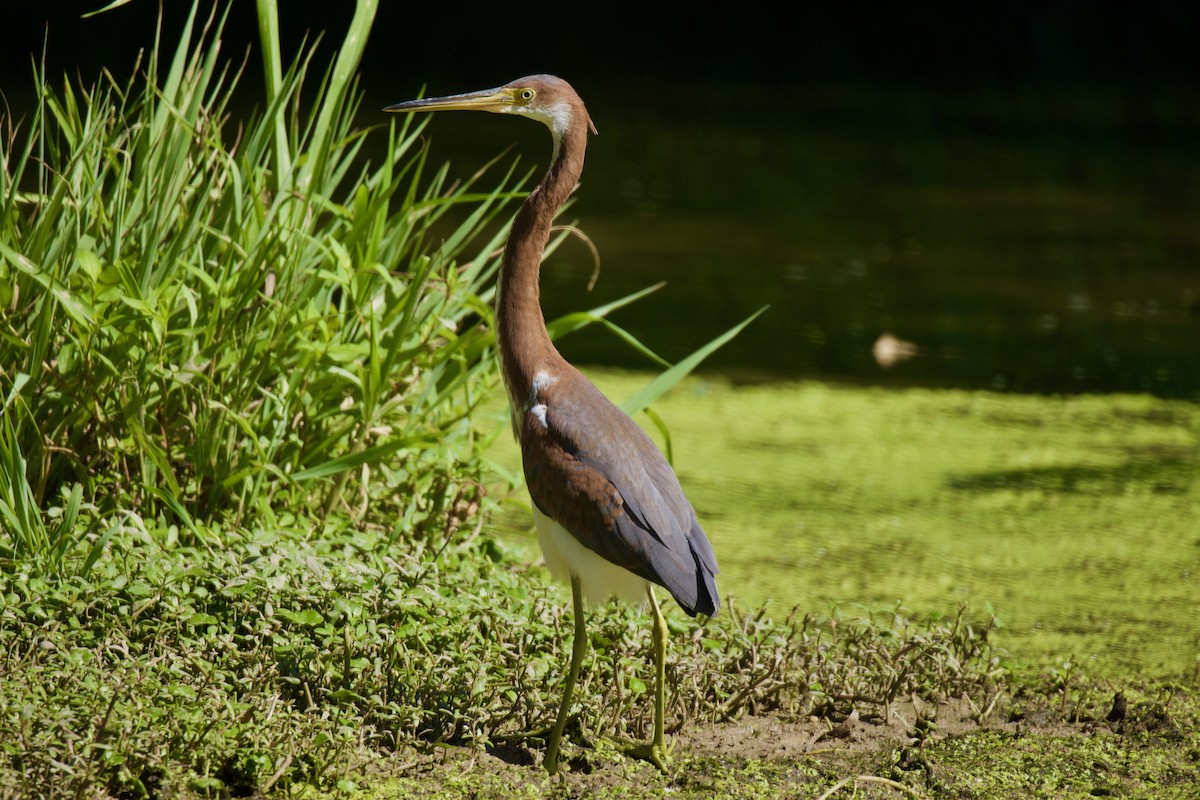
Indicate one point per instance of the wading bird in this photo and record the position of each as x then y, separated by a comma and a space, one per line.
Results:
609, 512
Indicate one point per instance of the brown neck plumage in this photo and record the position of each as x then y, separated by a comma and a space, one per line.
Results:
525, 347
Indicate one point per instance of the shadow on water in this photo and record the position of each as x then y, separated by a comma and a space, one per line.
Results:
1158, 473
1044, 241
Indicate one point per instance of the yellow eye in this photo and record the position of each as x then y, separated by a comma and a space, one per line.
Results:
527, 94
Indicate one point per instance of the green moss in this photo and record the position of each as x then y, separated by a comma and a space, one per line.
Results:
1003, 764
1073, 519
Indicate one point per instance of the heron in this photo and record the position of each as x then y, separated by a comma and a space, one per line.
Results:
610, 515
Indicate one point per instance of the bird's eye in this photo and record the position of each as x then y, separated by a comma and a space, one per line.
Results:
527, 94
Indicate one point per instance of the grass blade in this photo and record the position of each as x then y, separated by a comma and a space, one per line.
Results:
664, 382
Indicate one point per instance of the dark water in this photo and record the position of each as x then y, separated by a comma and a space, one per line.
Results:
1030, 240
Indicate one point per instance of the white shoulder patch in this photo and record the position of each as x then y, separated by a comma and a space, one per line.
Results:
535, 406
540, 381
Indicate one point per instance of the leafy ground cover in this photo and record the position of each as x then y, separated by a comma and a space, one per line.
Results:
287, 658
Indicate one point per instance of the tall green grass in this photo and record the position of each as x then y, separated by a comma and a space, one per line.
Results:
208, 317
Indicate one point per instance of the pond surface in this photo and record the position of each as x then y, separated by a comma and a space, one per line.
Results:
1028, 240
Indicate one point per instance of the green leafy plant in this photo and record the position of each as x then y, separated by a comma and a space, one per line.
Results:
207, 319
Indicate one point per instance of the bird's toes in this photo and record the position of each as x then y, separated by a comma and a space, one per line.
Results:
651, 752
576, 733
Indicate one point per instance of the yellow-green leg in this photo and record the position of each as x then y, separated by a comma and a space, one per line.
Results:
656, 751
578, 648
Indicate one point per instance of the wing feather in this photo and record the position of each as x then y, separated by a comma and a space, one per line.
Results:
594, 471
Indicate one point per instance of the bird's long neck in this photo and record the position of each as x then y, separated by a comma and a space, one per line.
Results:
525, 347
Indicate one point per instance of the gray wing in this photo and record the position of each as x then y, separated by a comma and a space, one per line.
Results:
595, 472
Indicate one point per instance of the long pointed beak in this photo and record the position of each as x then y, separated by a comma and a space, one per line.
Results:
495, 100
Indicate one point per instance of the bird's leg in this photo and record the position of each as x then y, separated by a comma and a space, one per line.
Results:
656, 751
659, 638
578, 648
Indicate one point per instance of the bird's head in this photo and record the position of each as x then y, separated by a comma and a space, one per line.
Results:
547, 99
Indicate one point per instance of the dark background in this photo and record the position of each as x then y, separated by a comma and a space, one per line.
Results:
1015, 186
620, 47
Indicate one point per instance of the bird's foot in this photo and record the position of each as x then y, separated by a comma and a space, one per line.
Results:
572, 732
656, 753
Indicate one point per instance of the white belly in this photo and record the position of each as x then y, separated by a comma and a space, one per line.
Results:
599, 578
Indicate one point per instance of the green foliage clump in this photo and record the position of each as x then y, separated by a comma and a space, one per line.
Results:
267, 663
205, 316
